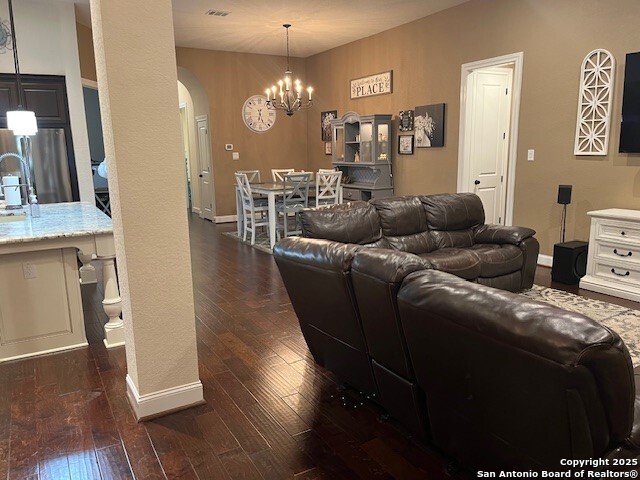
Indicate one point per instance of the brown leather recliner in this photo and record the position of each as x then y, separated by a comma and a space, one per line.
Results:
495, 380
448, 231
377, 275
514, 383
317, 276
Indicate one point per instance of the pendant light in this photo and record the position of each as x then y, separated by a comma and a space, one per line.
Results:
21, 121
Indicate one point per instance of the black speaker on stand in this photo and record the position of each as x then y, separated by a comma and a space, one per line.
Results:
569, 258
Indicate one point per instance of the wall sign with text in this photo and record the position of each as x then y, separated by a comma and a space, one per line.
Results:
378, 84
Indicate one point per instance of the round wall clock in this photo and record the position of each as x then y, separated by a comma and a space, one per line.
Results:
256, 115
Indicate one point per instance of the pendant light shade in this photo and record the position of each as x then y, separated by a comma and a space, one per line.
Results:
22, 122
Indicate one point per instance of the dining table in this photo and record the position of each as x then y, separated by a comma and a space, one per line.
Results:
271, 190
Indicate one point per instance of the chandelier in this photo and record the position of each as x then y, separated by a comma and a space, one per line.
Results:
289, 93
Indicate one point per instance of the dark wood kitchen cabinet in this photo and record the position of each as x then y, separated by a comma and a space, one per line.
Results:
46, 95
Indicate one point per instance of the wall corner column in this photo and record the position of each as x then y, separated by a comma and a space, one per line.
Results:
137, 83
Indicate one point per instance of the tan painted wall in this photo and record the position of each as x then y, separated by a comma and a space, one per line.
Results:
229, 79
85, 52
426, 56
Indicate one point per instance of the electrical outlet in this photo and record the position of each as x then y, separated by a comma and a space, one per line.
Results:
228, 147
531, 155
236, 156
29, 270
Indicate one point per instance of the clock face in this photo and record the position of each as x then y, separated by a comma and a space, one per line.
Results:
256, 115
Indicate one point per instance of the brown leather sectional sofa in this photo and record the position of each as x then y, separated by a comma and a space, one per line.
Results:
492, 379
446, 230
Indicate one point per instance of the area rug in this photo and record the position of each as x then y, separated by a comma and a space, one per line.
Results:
624, 321
262, 240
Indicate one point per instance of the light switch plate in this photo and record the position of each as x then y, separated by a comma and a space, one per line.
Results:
228, 147
531, 155
29, 270
236, 156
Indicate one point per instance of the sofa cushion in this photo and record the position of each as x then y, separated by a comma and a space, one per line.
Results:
496, 260
352, 222
453, 238
404, 224
453, 211
462, 263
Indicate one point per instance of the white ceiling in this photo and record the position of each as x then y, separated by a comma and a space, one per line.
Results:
255, 26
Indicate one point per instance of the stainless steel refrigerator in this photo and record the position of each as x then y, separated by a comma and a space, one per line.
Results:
50, 163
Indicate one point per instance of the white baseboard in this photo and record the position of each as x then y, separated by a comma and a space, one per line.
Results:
225, 218
545, 260
44, 352
158, 403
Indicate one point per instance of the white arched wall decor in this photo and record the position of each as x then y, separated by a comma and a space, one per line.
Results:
594, 104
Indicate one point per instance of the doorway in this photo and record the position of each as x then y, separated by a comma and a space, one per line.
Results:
206, 174
186, 153
96, 143
489, 111
201, 157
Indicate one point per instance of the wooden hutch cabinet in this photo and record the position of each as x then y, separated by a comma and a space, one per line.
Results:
361, 149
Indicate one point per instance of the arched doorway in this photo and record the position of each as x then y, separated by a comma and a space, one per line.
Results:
194, 114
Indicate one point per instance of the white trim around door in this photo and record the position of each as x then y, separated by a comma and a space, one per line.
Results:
515, 59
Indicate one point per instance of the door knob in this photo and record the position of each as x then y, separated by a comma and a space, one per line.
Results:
477, 182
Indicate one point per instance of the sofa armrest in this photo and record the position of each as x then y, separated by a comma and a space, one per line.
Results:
316, 252
389, 266
502, 234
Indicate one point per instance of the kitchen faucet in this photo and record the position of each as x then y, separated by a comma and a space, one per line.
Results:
26, 171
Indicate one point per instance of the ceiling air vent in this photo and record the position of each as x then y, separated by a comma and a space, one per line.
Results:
216, 13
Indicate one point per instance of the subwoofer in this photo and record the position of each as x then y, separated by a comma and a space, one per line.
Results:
569, 262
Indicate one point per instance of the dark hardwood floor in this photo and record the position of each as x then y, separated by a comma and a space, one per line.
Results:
271, 413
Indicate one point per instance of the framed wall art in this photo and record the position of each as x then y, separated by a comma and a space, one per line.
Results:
325, 124
405, 144
377, 84
327, 148
405, 123
428, 124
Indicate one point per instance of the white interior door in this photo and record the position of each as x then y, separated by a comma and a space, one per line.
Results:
206, 174
487, 138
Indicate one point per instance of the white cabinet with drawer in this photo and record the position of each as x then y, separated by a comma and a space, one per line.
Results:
613, 265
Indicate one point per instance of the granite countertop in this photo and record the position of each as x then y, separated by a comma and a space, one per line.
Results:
57, 220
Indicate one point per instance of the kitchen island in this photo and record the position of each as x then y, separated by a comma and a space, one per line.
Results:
40, 298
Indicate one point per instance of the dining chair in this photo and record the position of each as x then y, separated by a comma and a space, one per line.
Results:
326, 170
254, 177
328, 188
253, 215
279, 173
295, 197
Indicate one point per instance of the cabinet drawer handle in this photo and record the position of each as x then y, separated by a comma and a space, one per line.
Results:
613, 270
622, 233
615, 250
